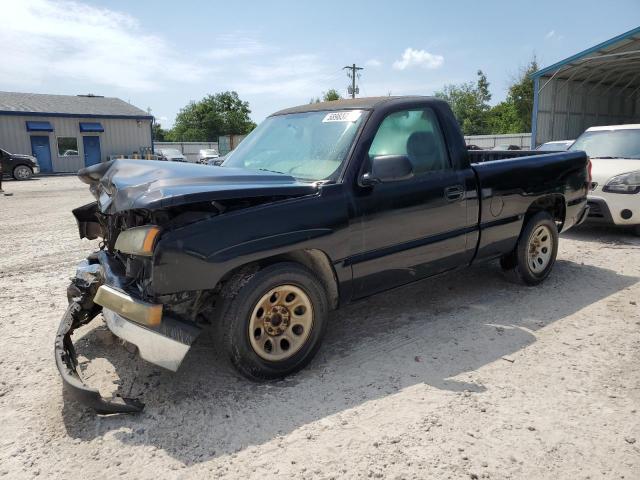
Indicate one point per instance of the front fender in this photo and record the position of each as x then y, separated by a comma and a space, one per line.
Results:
199, 255
182, 269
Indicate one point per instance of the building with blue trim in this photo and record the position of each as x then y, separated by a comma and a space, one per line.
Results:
67, 132
598, 86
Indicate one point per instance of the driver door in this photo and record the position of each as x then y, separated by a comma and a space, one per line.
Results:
415, 227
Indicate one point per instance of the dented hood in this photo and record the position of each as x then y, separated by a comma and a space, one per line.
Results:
121, 185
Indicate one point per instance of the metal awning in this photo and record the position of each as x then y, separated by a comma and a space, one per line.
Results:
614, 63
39, 127
91, 127
598, 86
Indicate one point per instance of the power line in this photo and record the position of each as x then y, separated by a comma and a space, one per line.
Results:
352, 73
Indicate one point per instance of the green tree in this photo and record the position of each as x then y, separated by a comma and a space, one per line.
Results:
503, 118
470, 104
204, 121
159, 133
329, 96
521, 95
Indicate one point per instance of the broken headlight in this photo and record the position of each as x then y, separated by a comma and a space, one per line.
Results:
138, 240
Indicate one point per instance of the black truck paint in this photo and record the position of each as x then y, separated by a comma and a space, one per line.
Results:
19, 166
359, 236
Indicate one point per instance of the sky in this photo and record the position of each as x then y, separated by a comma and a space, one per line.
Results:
161, 55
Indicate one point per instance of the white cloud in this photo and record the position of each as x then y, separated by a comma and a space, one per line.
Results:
291, 75
373, 62
43, 40
553, 35
234, 45
418, 58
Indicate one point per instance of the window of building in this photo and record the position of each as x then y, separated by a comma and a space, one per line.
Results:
67, 146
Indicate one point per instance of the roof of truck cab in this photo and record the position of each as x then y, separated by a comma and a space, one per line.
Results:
363, 103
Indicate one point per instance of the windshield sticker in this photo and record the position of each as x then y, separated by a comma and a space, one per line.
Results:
344, 116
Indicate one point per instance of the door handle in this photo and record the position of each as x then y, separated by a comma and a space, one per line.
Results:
453, 193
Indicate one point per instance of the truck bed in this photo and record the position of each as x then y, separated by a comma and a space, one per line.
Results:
509, 182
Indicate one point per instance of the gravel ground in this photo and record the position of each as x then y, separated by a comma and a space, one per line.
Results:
465, 376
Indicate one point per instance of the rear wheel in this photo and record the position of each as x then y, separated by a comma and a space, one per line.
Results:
271, 323
22, 172
535, 253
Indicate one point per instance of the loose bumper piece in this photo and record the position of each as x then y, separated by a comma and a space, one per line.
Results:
67, 365
144, 313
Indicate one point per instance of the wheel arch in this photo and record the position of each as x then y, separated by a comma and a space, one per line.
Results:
554, 204
316, 260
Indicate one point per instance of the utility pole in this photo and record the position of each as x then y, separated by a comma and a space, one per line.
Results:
352, 72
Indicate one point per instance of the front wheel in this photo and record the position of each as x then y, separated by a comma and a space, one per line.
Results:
22, 172
535, 253
272, 321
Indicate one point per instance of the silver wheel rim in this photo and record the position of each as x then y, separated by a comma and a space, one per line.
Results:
23, 172
281, 323
540, 249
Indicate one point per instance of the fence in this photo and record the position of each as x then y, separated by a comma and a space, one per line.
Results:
523, 140
229, 142
191, 150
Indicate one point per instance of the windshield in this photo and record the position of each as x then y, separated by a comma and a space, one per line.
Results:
208, 152
610, 143
308, 146
549, 147
553, 146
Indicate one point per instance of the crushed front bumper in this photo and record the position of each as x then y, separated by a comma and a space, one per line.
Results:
98, 286
67, 364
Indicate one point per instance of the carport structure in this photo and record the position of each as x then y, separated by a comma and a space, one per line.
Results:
598, 86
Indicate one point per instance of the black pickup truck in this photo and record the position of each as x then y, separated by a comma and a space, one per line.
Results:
319, 206
20, 167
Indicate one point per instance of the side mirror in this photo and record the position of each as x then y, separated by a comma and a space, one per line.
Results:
387, 168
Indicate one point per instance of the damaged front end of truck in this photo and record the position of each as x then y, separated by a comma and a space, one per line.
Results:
137, 202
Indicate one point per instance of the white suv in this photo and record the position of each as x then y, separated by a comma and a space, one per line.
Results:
615, 158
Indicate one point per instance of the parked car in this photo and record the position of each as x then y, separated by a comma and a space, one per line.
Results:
216, 162
474, 147
207, 154
555, 146
170, 154
321, 205
70, 153
19, 166
615, 155
506, 147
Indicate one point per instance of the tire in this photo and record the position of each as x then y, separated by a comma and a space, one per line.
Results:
245, 333
535, 254
22, 172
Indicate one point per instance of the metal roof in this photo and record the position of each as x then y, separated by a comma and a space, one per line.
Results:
613, 62
67, 105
